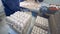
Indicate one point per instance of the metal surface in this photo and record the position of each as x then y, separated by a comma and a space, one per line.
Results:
54, 22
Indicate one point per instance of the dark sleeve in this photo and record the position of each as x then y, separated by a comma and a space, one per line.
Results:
11, 6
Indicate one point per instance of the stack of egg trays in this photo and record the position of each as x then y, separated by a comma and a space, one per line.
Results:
19, 18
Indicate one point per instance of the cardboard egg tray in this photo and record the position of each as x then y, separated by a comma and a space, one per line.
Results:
30, 5
42, 22
37, 30
20, 21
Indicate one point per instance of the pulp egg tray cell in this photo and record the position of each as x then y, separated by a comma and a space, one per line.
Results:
37, 30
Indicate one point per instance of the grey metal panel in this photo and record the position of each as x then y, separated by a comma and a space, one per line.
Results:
54, 22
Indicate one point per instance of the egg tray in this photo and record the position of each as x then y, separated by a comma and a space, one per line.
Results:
42, 22
30, 5
20, 21
37, 30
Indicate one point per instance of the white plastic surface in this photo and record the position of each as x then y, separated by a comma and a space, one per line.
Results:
0, 3
2, 13
3, 27
1, 6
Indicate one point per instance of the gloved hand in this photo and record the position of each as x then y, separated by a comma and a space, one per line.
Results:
44, 11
